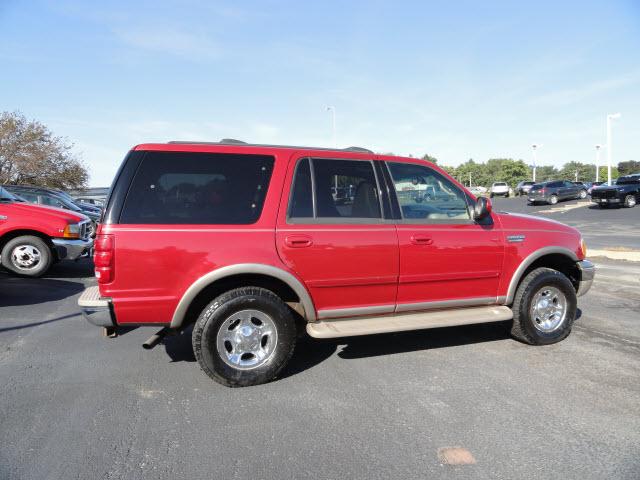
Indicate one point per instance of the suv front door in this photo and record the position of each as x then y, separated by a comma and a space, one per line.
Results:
332, 232
446, 258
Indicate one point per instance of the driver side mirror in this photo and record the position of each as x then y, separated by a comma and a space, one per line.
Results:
482, 208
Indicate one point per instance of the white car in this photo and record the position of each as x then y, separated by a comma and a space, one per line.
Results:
477, 190
500, 188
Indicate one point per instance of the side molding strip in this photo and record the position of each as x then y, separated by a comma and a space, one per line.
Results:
408, 321
238, 269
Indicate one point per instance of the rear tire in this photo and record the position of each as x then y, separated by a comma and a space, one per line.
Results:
27, 256
544, 307
553, 199
244, 337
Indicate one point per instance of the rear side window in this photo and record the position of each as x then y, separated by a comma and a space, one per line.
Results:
198, 188
334, 191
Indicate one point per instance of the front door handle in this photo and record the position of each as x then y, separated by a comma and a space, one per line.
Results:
421, 240
298, 241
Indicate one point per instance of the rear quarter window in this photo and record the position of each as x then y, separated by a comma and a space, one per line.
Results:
198, 188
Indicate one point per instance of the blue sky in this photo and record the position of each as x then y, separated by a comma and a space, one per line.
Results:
458, 80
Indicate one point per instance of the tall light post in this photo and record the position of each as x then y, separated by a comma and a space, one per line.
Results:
535, 148
332, 109
611, 116
598, 147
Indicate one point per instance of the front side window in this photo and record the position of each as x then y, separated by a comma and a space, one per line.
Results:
334, 189
426, 195
198, 188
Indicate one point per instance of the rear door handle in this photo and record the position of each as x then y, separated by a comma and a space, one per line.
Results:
421, 240
298, 241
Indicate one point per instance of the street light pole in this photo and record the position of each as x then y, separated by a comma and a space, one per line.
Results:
332, 109
598, 147
535, 147
611, 116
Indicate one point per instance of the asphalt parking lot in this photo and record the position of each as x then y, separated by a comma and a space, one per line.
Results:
76, 405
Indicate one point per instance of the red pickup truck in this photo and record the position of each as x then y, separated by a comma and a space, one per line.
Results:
254, 243
32, 237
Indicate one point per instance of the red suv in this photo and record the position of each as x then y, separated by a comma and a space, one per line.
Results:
253, 243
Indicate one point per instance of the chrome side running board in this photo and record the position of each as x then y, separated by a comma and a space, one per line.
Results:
348, 327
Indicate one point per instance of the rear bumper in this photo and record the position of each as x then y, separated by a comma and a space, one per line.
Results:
587, 273
95, 309
72, 249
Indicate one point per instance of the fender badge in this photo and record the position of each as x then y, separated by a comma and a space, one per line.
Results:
515, 238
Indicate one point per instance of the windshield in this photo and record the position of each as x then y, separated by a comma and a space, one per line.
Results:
6, 195
628, 180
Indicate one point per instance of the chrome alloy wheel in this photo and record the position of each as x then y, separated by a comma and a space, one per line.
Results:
25, 257
548, 309
247, 339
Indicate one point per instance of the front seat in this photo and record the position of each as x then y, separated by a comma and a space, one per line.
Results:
365, 202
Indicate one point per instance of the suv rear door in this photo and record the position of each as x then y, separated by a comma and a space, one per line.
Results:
332, 232
446, 258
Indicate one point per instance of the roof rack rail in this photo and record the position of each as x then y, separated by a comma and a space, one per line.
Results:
233, 141
357, 149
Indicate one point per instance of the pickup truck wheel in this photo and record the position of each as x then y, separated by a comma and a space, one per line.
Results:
544, 307
630, 201
244, 337
553, 199
28, 256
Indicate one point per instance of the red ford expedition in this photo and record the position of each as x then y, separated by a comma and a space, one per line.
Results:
252, 243
32, 237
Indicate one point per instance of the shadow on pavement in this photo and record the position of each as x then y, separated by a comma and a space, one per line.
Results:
392, 343
19, 291
36, 324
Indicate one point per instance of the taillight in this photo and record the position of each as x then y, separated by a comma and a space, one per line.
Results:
543, 191
103, 258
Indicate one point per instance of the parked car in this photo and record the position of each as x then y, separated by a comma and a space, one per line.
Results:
499, 188
87, 209
32, 237
478, 190
96, 202
593, 186
43, 196
626, 193
585, 185
523, 188
247, 244
552, 192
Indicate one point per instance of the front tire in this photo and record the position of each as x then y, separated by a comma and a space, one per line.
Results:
544, 307
630, 201
27, 256
583, 194
244, 337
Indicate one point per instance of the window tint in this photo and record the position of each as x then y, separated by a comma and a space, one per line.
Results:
29, 197
345, 189
301, 203
425, 194
198, 188
51, 201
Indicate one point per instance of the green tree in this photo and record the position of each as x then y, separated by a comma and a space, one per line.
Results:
628, 167
429, 158
576, 171
545, 173
30, 153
